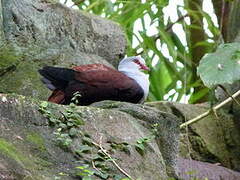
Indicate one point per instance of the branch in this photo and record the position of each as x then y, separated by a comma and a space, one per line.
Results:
109, 156
178, 20
209, 111
228, 94
169, 27
94, 167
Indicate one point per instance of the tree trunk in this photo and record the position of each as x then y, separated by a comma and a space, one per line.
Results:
228, 13
196, 35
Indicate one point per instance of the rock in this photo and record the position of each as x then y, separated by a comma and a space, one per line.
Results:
29, 147
34, 33
190, 169
168, 129
221, 95
44, 30
1, 28
212, 139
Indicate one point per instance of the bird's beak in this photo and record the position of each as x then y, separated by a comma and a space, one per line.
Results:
145, 68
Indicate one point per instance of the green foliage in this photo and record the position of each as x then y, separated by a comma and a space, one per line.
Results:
222, 66
123, 146
37, 140
9, 150
173, 62
67, 128
142, 143
84, 172
66, 125
8, 59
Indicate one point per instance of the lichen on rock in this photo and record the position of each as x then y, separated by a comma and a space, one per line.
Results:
35, 138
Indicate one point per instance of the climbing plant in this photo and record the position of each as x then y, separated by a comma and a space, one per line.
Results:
93, 158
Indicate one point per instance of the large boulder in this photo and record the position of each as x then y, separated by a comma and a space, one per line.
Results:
34, 33
168, 130
46, 141
215, 138
41, 140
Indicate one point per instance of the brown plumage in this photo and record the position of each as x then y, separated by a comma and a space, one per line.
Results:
94, 82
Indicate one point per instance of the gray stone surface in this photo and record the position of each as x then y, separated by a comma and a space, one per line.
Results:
1, 26
28, 147
190, 169
28, 144
212, 139
47, 30
168, 128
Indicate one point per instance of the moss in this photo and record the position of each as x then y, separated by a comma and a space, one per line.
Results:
37, 140
8, 59
42, 163
31, 163
20, 81
9, 150
12, 152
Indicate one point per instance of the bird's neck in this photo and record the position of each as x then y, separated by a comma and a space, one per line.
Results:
141, 78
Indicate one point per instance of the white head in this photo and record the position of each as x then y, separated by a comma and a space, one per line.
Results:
133, 67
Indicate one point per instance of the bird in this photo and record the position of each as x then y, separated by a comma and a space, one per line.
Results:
98, 82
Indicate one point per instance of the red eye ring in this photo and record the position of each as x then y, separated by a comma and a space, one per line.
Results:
142, 66
137, 61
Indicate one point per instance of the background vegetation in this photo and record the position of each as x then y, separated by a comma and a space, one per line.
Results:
171, 46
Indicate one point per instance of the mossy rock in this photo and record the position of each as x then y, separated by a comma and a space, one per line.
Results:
24, 80
8, 59
29, 141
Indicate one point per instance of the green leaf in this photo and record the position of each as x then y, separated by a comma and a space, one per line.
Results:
53, 120
195, 97
63, 126
87, 171
98, 158
44, 104
73, 132
79, 122
102, 175
84, 149
69, 124
221, 67
166, 38
140, 148
160, 73
87, 140
84, 166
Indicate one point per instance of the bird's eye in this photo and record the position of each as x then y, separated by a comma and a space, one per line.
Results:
137, 61
142, 66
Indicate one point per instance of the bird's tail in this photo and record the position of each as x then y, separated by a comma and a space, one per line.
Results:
56, 77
